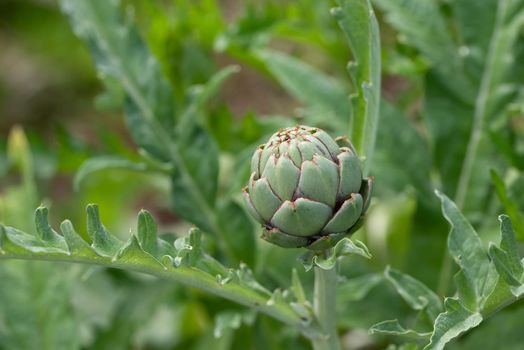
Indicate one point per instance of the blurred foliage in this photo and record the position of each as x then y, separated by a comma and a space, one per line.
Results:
182, 83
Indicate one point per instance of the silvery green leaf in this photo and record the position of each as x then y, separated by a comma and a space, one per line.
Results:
468, 252
506, 258
452, 323
120, 54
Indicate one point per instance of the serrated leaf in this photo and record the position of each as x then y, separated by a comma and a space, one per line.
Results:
415, 293
357, 21
344, 247
102, 163
203, 273
392, 327
104, 243
121, 54
467, 250
147, 232
452, 323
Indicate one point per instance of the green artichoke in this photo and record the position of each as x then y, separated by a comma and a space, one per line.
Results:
306, 189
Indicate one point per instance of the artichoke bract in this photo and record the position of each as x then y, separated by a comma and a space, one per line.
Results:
306, 189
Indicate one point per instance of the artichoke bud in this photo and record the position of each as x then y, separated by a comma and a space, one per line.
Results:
306, 189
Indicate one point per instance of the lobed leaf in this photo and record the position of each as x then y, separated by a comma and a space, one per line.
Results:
119, 53
506, 257
452, 323
468, 252
185, 262
480, 290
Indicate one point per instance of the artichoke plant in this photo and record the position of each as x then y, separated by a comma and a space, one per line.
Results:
306, 189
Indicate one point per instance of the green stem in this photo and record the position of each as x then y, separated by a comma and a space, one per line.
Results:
325, 309
479, 116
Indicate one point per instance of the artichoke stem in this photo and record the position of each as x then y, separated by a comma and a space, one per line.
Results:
325, 308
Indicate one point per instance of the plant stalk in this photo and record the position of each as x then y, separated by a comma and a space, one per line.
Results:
324, 305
